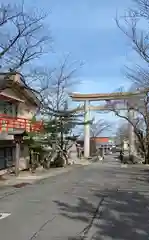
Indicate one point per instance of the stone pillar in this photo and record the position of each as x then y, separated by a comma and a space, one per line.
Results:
103, 152
86, 130
132, 149
17, 160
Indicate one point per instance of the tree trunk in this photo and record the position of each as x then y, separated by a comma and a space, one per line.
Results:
147, 155
147, 147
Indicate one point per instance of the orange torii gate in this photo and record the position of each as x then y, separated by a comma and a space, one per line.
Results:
87, 98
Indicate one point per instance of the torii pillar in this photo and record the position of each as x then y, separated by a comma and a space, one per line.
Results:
132, 148
86, 130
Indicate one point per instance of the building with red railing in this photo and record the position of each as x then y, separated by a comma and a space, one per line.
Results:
18, 105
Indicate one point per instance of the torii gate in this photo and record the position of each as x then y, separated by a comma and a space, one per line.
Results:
87, 98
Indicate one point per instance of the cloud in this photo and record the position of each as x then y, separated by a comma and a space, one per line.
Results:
102, 84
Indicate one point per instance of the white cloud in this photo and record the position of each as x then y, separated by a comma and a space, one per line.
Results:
102, 84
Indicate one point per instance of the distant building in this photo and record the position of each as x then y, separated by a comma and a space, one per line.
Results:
101, 142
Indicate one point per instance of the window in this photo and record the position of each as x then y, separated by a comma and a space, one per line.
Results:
8, 108
1, 108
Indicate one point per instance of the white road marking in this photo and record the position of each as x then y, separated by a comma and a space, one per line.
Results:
124, 165
4, 215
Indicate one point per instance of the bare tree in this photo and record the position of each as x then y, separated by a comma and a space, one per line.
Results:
23, 36
130, 24
135, 26
54, 86
136, 115
99, 127
122, 133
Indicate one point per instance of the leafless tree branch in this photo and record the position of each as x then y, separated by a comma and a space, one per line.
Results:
23, 36
54, 85
99, 127
135, 26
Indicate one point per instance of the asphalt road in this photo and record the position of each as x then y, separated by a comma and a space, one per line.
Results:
99, 201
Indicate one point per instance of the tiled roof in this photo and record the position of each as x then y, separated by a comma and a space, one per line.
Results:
6, 79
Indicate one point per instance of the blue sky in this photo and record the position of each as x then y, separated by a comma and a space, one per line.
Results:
86, 29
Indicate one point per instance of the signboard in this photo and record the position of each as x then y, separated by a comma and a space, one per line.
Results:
5, 136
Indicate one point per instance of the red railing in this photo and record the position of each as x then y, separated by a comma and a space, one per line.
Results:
8, 123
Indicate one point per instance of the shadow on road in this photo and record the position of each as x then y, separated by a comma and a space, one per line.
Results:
119, 215
143, 176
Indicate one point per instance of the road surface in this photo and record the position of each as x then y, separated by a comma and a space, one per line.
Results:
99, 201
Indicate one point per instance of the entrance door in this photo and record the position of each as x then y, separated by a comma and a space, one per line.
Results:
2, 159
8, 157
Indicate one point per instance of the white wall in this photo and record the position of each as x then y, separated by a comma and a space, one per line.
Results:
25, 109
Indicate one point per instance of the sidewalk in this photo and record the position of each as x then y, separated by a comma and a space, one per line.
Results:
9, 184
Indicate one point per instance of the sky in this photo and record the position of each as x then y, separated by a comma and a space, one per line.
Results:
86, 30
